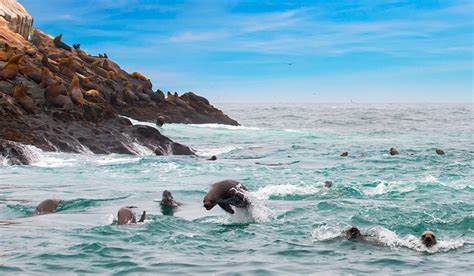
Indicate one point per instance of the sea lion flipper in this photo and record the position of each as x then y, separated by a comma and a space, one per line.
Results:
142, 218
226, 207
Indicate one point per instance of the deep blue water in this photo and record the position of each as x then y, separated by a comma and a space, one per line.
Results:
283, 153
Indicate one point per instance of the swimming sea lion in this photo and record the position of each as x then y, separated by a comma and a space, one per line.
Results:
61, 45
226, 193
160, 121
440, 151
75, 92
394, 151
47, 206
353, 233
11, 69
428, 239
19, 93
125, 216
328, 184
213, 158
168, 200
138, 76
344, 154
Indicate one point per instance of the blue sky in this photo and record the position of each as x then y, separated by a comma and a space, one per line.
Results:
239, 51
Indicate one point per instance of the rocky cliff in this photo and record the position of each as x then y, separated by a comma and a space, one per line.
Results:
17, 18
60, 98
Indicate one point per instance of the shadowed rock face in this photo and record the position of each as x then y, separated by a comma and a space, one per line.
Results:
46, 70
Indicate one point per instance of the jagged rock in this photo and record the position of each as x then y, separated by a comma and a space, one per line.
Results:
17, 18
96, 124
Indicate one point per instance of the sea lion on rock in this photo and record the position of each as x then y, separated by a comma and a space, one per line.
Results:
11, 69
440, 152
125, 216
32, 73
19, 93
92, 93
47, 206
394, 151
138, 76
54, 95
75, 92
61, 45
226, 193
428, 239
47, 78
344, 154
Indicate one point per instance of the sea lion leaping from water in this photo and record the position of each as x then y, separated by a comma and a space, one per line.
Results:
47, 206
125, 216
226, 193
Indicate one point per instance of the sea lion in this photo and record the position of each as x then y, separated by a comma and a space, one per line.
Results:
428, 239
440, 152
160, 121
226, 193
138, 76
76, 46
61, 45
344, 154
213, 158
75, 92
31, 72
168, 200
394, 151
54, 95
19, 93
92, 93
11, 69
353, 234
125, 216
47, 206
328, 184
47, 78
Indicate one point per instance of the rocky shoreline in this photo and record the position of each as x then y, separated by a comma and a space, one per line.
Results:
60, 98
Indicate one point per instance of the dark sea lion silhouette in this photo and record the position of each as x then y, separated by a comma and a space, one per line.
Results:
47, 206
226, 193
125, 216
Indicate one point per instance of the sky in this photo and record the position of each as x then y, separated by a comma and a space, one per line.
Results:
280, 51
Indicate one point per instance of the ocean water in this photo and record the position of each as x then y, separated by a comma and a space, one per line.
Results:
283, 153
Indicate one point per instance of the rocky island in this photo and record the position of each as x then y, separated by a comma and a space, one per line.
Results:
57, 97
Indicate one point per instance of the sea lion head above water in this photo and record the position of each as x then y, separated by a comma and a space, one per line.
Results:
168, 200
47, 206
428, 239
328, 184
126, 216
394, 151
353, 233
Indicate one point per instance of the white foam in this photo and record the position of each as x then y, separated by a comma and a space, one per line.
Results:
221, 126
284, 189
392, 240
113, 160
430, 179
137, 148
380, 189
326, 232
204, 151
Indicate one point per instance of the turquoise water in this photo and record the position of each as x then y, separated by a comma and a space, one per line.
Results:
283, 154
